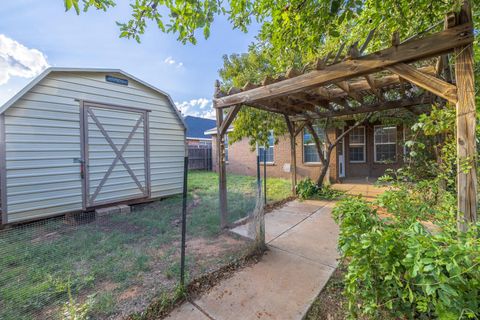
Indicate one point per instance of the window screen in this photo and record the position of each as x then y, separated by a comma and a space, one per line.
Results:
310, 153
356, 146
385, 138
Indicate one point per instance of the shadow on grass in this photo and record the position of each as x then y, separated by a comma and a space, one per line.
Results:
120, 262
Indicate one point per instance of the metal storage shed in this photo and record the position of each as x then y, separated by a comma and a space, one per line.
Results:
75, 139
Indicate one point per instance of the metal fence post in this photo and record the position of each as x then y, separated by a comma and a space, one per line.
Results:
265, 176
259, 178
184, 221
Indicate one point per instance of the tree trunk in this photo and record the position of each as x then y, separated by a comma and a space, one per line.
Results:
323, 172
325, 160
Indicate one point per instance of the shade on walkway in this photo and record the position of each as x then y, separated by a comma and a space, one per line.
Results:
302, 240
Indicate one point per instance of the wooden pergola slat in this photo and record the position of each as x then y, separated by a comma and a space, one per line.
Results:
379, 106
433, 84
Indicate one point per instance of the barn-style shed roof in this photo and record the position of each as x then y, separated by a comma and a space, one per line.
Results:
50, 70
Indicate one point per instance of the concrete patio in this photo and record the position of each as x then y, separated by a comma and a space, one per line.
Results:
360, 186
302, 242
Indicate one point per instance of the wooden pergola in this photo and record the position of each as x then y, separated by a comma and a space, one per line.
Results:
408, 74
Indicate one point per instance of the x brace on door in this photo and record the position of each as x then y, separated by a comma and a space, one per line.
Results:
118, 153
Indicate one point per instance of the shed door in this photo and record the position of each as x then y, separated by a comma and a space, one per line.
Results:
115, 154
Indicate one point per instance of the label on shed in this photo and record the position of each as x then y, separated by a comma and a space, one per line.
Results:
116, 80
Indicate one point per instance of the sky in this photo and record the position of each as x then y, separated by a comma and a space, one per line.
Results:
37, 34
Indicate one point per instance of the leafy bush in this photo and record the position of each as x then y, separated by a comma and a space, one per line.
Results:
307, 189
397, 267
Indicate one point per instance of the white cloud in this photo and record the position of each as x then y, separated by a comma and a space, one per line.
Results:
200, 107
170, 61
16, 60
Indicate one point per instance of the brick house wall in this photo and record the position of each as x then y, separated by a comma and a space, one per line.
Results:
370, 168
242, 160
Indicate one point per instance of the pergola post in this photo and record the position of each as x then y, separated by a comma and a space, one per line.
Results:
222, 174
466, 122
293, 154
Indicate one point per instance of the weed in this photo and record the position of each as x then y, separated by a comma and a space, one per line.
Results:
103, 304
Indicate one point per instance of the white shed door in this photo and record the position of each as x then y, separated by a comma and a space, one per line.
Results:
115, 154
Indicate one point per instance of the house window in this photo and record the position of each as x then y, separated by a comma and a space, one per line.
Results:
268, 157
226, 148
385, 140
356, 145
310, 154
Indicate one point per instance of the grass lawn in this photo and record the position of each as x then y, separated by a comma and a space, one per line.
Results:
117, 264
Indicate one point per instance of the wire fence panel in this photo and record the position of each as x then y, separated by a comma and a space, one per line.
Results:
114, 265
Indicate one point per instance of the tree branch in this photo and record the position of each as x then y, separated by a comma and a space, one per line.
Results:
356, 124
318, 144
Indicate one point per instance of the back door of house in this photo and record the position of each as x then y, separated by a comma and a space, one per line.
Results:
114, 154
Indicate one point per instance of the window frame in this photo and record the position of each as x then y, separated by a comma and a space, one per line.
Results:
364, 145
384, 143
311, 143
270, 146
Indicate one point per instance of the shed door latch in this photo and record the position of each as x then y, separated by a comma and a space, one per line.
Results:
82, 166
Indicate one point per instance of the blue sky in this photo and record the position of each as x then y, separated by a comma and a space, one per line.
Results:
40, 33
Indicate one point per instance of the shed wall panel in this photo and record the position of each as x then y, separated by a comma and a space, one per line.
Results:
42, 136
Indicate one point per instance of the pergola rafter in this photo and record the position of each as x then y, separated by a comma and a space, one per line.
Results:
414, 72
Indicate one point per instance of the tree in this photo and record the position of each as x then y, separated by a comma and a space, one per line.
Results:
292, 33
288, 26
251, 123
328, 144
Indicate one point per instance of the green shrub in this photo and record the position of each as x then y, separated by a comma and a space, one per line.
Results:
307, 189
398, 268
328, 193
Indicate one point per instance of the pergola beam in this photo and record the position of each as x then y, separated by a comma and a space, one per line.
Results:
379, 106
232, 113
293, 153
222, 172
466, 122
352, 94
432, 45
430, 83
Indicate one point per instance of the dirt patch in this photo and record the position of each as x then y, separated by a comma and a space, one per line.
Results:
48, 237
107, 286
212, 248
130, 293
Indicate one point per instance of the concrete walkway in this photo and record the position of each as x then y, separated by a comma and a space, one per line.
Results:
302, 241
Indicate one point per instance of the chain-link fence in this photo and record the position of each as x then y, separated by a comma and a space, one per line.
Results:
114, 265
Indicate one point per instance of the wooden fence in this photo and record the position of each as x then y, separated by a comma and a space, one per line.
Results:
200, 158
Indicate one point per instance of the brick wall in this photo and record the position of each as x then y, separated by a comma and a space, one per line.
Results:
370, 168
242, 160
